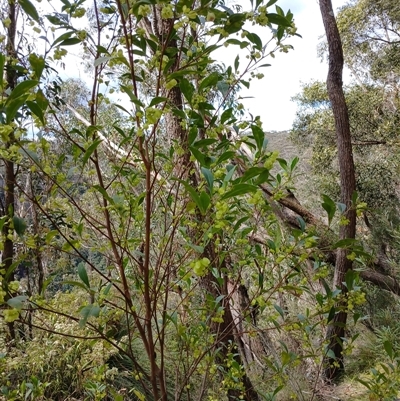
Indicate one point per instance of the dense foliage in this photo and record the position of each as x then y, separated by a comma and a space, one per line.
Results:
152, 244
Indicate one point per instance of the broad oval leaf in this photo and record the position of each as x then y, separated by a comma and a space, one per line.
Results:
17, 302
29, 9
210, 80
21, 89
83, 274
240, 189
19, 225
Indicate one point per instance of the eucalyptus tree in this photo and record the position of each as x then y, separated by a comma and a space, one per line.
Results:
369, 35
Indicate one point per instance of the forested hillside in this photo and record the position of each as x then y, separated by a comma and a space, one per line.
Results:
158, 244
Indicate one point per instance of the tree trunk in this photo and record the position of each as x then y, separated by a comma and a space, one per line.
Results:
225, 331
335, 332
9, 176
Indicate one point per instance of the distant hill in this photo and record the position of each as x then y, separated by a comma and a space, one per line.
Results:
304, 181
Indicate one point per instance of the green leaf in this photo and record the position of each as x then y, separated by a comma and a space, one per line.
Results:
89, 311
101, 60
251, 173
225, 156
208, 175
30, 9
121, 108
329, 206
210, 80
204, 202
230, 173
90, 150
13, 107
36, 110
198, 155
31, 154
55, 20
17, 302
19, 225
70, 42
240, 189
331, 314
204, 143
293, 163
344, 243
62, 37
41, 100
278, 20
350, 278
2, 62
226, 115
3, 220
259, 135
341, 207
271, 2
200, 203
83, 274
302, 223
157, 100
21, 89
50, 235
388, 348
255, 39
37, 64
237, 63
187, 89
103, 192
132, 96
280, 311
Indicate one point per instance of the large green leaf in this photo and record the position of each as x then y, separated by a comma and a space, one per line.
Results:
187, 89
83, 274
36, 110
259, 135
41, 100
255, 39
208, 175
70, 42
21, 89
330, 207
278, 20
210, 80
17, 302
29, 9
13, 107
19, 225
89, 151
202, 201
240, 189
37, 64
62, 37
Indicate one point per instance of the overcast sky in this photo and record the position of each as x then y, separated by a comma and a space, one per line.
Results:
283, 79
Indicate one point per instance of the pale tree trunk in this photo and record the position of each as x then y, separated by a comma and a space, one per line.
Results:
334, 365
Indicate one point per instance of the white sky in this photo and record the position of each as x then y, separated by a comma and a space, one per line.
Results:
272, 95
283, 79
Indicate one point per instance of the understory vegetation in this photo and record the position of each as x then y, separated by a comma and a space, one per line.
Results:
158, 244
